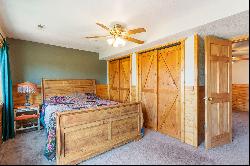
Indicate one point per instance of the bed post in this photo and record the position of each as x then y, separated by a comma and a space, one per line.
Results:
58, 140
42, 89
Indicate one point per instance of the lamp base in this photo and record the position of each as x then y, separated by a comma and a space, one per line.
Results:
27, 96
27, 104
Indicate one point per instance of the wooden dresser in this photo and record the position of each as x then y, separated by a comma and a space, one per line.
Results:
1, 123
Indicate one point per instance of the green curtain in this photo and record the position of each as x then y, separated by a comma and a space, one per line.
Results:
8, 114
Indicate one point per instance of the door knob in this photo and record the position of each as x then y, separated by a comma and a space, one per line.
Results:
210, 99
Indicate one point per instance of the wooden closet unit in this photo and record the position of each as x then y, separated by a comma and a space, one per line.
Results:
120, 79
114, 76
169, 101
160, 73
148, 87
125, 75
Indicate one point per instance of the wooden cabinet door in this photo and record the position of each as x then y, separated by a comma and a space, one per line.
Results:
125, 75
169, 100
148, 87
218, 100
114, 80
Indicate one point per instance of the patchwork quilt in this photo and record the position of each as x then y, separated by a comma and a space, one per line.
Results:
64, 103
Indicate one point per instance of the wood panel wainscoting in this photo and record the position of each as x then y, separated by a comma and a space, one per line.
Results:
190, 123
82, 134
240, 97
133, 94
194, 115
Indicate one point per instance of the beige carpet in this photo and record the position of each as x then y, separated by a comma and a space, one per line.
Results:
154, 148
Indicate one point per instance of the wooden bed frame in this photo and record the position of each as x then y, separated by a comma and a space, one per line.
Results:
82, 134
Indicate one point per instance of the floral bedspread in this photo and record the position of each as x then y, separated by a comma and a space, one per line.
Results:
64, 103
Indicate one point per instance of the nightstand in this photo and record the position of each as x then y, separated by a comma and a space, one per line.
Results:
27, 117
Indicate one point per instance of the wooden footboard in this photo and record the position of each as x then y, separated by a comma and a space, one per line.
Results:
83, 134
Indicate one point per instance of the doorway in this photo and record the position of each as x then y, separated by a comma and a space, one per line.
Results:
240, 75
220, 55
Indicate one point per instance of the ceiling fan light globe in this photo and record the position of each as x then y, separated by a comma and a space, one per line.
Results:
110, 41
124, 43
120, 41
115, 44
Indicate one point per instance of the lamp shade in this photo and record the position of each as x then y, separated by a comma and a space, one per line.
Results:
26, 87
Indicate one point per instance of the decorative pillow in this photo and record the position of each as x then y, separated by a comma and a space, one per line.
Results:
85, 96
81, 96
92, 96
59, 100
72, 99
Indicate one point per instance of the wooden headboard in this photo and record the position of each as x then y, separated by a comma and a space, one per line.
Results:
66, 87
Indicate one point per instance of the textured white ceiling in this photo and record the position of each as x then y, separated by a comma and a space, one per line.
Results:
227, 28
68, 21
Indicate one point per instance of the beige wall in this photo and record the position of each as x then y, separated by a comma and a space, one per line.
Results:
189, 61
31, 61
134, 72
240, 72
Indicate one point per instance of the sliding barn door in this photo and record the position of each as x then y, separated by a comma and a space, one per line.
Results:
119, 80
125, 75
169, 91
148, 87
218, 105
114, 80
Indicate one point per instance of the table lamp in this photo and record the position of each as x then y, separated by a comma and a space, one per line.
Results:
27, 88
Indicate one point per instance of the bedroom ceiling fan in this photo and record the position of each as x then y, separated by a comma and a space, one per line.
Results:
118, 35
239, 58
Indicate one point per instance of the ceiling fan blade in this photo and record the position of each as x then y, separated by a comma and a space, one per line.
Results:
103, 26
134, 31
94, 37
133, 40
242, 59
239, 58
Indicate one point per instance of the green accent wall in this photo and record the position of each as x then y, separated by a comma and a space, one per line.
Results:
32, 61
